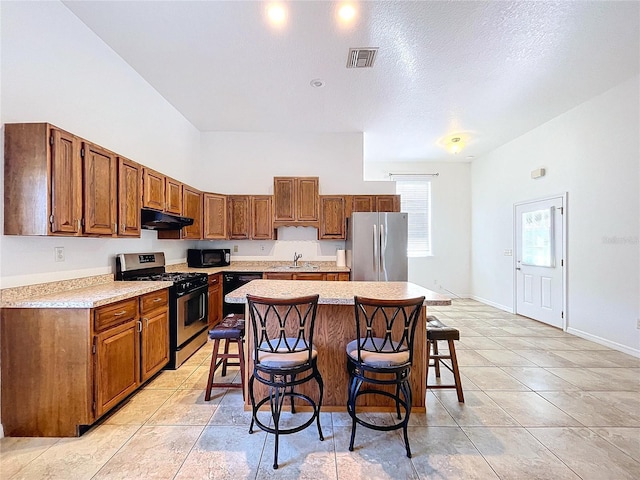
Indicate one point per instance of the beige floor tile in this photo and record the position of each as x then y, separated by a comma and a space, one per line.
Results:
186, 407
627, 402
625, 378
514, 343
17, 452
170, 378
538, 378
513, 453
224, 453
478, 409
301, 455
78, 457
586, 359
625, 438
493, 378
505, 358
591, 379
471, 358
344, 420
577, 343
376, 455
139, 407
591, 411
545, 358
587, 454
531, 410
619, 359
153, 452
446, 453
436, 414
478, 343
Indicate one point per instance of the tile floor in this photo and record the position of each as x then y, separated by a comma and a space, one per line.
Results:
539, 404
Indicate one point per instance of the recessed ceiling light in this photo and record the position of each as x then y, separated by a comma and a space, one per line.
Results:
277, 14
347, 12
317, 83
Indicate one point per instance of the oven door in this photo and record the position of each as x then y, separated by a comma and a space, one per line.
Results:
191, 314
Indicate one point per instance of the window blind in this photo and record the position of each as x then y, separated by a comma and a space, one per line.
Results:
415, 199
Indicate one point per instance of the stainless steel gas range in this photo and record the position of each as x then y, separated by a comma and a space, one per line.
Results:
187, 301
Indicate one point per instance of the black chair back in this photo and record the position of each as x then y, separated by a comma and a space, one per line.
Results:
283, 326
392, 321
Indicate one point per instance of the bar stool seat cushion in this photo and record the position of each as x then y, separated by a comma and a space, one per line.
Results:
286, 359
232, 326
385, 357
436, 330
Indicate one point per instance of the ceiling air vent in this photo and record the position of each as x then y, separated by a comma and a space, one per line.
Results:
361, 57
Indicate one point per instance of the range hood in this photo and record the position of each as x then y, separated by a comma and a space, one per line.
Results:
152, 220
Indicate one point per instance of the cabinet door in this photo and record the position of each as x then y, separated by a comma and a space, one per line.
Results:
307, 199
238, 216
215, 216
192, 204
100, 187
363, 203
155, 342
277, 276
309, 276
284, 195
66, 183
332, 217
152, 189
387, 203
129, 197
173, 196
215, 299
261, 217
117, 365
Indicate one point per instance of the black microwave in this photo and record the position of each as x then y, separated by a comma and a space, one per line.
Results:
212, 257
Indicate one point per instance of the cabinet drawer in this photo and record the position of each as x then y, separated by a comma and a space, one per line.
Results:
215, 279
153, 300
116, 313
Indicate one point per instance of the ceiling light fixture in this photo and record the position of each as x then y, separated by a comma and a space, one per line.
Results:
277, 14
346, 12
317, 83
456, 145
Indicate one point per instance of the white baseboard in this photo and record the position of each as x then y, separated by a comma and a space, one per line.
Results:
607, 343
492, 304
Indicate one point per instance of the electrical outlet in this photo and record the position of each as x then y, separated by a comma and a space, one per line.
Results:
508, 253
58, 254
262, 248
235, 249
638, 325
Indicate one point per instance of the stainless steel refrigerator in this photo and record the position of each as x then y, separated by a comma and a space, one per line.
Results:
377, 246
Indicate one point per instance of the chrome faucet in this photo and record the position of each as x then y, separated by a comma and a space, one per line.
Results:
296, 256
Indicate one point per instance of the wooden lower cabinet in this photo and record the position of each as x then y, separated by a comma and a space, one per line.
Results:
322, 276
215, 299
62, 369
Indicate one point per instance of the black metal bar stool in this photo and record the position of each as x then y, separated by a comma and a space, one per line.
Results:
283, 359
231, 330
382, 354
436, 330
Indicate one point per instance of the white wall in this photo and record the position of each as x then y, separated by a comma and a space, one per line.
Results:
448, 270
246, 162
56, 70
593, 153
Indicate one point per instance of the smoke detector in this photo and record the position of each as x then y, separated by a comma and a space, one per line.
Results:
361, 57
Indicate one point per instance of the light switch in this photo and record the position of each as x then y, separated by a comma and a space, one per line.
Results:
508, 253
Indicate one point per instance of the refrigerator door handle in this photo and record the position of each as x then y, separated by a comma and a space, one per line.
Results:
383, 250
375, 249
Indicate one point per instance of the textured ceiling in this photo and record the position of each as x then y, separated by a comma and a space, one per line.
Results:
486, 71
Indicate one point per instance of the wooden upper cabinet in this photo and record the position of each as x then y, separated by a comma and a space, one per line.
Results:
363, 203
173, 196
215, 216
239, 226
42, 180
100, 190
192, 206
262, 217
387, 203
295, 200
153, 189
129, 197
332, 217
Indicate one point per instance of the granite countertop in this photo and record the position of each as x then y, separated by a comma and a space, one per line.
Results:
336, 293
272, 266
88, 297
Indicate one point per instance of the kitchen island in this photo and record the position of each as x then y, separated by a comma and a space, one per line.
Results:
335, 328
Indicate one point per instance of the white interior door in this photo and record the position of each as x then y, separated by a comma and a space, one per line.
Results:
540, 260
